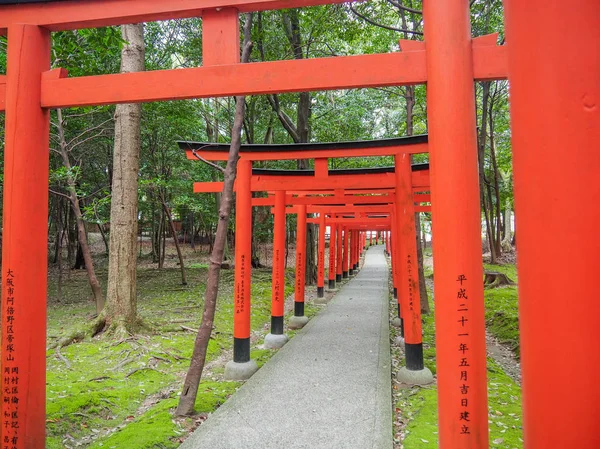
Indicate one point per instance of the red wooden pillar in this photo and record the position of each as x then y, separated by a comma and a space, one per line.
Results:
340, 252
352, 257
332, 254
370, 238
278, 297
299, 320
345, 261
243, 266
415, 371
24, 243
321, 258
387, 242
356, 250
395, 243
459, 310
555, 106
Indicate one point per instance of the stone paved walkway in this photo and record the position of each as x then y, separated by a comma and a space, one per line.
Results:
329, 387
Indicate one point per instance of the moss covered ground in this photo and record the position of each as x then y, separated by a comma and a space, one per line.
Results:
417, 407
501, 309
121, 394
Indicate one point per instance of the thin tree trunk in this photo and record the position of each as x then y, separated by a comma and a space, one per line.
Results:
121, 307
103, 235
194, 374
506, 242
422, 287
81, 232
496, 182
174, 234
489, 225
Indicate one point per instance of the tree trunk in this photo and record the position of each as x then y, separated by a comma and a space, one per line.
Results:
496, 179
103, 235
194, 374
174, 234
81, 232
489, 224
506, 242
121, 307
422, 284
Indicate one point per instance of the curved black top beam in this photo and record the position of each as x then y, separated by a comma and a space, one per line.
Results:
265, 148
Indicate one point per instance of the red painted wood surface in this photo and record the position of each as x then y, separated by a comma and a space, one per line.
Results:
24, 242
408, 291
278, 296
321, 253
243, 252
300, 255
555, 105
459, 307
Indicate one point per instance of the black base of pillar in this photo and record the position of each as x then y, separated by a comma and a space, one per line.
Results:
395, 293
338, 278
331, 284
414, 356
345, 274
298, 308
402, 327
320, 292
241, 350
277, 325
351, 272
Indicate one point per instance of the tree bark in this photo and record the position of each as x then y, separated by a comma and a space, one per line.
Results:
194, 374
121, 307
81, 232
422, 285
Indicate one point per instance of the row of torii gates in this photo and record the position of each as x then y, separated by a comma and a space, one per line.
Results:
351, 202
555, 111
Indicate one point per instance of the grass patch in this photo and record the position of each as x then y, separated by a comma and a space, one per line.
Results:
501, 309
419, 405
122, 394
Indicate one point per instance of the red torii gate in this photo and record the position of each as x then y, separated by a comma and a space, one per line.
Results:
554, 103
403, 179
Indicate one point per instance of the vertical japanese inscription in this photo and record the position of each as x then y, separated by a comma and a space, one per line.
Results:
276, 285
411, 282
240, 301
10, 372
462, 310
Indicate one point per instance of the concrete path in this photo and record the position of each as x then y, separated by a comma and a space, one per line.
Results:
329, 387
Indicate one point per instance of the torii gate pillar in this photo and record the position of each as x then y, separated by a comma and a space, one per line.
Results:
459, 307
321, 262
276, 338
24, 245
415, 372
298, 321
242, 367
555, 105
332, 254
345, 253
339, 254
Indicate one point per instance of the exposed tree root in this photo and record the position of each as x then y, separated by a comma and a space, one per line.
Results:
117, 329
494, 279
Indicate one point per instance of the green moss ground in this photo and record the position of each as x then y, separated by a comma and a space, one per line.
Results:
122, 394
501, 309
418, 405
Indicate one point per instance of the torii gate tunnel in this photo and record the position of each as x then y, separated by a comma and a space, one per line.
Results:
555, 97
403, 180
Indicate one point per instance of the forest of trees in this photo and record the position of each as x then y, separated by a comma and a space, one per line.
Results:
127, 155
